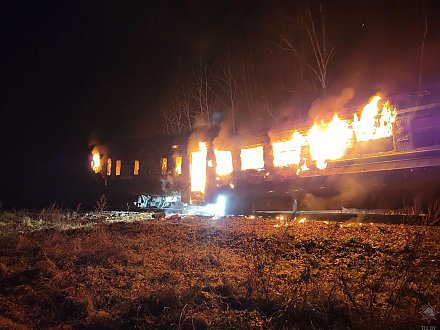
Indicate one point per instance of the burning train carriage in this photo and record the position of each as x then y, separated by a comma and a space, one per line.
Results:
333, 163
392, 171
155, 167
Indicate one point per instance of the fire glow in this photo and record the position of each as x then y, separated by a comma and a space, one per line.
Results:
178, 168
287, 153
324, 141
198, 168
252, 158
374, 123
330, 140
109, 166
223, 159
96, 164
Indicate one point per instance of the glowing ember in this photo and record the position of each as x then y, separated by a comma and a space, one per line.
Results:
329, 141
109, 166
302, 220
287, 153
252, 158
118, 167
198, 169
136, 168
224, 162
96, 164
374, 123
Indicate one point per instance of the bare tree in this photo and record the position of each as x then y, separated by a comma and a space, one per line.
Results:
190, 105
315, 28
269, 110
249, 83
167, 121
187, 110
227, 81
201, 94
167, 116
172, 117
179, 115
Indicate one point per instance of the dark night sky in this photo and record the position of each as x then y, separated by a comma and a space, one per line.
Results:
78, 72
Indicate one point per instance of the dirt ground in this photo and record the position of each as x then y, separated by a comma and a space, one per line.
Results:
129, 271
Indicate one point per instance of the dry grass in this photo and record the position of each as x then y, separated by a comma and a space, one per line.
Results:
235, 273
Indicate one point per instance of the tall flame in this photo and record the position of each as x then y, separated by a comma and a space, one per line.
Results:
328, 141
287, 153
198, 168
223, 159
374, 123
252, 158
96, 164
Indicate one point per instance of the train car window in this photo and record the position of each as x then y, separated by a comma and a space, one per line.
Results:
109, 166
178, 169
118, 167
136, 168
164, 165
252, 158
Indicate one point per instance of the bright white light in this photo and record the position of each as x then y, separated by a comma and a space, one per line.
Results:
252, 158
217, 209
224, 162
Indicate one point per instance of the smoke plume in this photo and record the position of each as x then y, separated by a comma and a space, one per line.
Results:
346, 192
331, 104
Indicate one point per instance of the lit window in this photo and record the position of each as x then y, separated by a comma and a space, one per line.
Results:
252, 158
178, 169
96, 161
136, 168
164, 164
109, 166
118, 167
224, 162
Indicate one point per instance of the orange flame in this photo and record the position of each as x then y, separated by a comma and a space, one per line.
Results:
223, 159
96, 164
374, 123
198, 168
328, 141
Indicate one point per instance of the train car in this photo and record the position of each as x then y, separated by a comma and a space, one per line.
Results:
278, 169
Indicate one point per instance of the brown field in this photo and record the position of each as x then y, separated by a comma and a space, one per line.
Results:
103, 270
